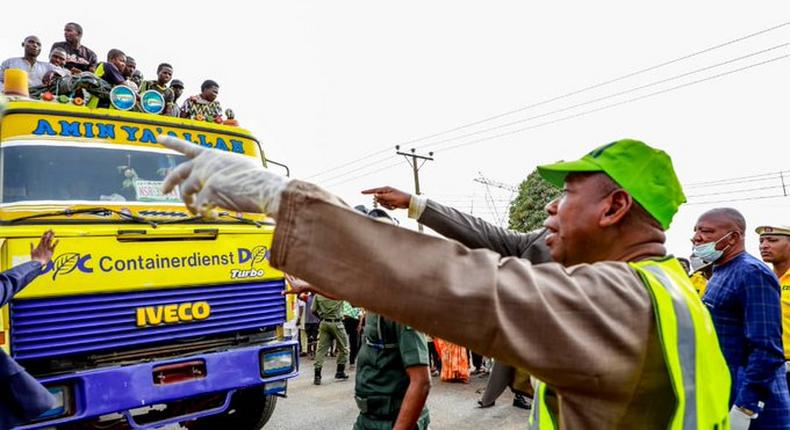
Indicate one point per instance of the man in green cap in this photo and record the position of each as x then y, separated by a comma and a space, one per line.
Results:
614, 330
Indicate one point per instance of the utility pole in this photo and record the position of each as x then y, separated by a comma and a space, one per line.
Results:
411, 158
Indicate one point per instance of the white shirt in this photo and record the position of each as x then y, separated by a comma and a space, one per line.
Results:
35, 72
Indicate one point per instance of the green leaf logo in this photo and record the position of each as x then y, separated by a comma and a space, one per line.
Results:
259, 255
65, 264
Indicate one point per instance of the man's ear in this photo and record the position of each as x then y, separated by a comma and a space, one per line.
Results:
617, 205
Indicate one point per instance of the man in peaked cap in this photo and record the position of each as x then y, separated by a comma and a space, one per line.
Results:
614, 330
775, 249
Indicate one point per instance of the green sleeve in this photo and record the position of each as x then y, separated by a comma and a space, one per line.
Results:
413, 347
314, 306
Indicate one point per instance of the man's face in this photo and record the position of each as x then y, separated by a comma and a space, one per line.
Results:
711, 229
131, 66
573, 219
57, 58
177, 91
775, 248
210, 93
119, 61
32, 47
165, 75
71, 34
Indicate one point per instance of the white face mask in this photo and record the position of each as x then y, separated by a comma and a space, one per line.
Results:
708, 252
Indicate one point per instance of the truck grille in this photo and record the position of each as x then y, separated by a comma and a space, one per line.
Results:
61, 326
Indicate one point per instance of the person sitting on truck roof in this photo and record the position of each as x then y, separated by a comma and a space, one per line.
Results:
178, 88
79, 58
164, 72
35, 69
22, 398
110, 71
204, 106
128, 71
57, 58
137, 77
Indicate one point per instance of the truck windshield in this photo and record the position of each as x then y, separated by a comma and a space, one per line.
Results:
47, 172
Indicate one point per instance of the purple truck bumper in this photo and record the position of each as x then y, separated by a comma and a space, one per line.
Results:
109, 390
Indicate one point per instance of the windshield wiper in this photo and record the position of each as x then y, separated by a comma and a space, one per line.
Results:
91, 211
182, 220
241, 219
219, 215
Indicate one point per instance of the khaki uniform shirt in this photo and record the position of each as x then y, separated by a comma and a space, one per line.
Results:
588, 331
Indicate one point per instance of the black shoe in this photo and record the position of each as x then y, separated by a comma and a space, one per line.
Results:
522, 402
341, 372
482, 406
317, 378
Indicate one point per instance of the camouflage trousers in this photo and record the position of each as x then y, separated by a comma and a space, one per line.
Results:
327, 332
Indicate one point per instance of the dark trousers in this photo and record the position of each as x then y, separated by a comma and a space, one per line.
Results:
433, 355
312, 336
477, 360
351, 325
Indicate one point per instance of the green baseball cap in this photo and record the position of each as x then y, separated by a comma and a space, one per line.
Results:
645, 172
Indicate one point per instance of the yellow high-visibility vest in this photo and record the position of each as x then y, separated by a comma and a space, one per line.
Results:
699, 375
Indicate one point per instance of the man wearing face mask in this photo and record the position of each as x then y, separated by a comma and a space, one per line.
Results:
743, 299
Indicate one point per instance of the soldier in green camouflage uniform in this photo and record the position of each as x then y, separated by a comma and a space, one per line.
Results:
331, 327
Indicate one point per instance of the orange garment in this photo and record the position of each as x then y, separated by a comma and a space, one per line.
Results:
455, 362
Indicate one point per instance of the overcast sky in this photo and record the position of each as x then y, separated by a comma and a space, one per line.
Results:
323, 83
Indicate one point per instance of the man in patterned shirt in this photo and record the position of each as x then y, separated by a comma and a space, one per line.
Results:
743, 299
204, 106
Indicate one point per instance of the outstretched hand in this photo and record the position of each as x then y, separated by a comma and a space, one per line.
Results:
212, 178
45, 249
300, 286
390, 198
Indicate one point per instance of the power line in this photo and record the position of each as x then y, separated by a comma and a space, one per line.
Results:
563, 96
602, 98
736, 200
612, 105
719, 193
739, 180
641, 87
372, 154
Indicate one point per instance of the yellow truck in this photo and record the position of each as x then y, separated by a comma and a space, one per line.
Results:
147, 315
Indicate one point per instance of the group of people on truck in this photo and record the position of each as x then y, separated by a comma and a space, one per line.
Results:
75, 71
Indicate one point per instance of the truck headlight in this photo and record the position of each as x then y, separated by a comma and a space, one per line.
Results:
63, 404
277, 362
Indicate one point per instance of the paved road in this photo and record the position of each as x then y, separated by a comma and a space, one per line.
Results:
331, 405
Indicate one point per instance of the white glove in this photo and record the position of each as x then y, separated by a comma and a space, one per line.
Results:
739, 420
214, 178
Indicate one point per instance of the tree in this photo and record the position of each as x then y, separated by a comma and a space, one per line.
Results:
528, 210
